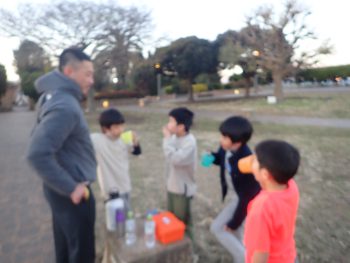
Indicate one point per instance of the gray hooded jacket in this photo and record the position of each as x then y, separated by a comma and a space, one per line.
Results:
61, 150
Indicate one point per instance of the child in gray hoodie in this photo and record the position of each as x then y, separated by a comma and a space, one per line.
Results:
180, 150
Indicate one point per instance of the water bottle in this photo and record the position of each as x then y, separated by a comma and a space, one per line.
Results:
112, 206
150, 239
130, 225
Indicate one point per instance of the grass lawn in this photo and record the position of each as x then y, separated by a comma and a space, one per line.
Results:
326, 105
323, 226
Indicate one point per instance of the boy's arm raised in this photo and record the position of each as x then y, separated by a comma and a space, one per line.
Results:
181, 156
217, 155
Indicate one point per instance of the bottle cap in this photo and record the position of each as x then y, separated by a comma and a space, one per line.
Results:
130, 214
149, 217
114, 194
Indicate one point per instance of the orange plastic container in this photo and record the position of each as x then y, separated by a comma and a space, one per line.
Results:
168, 227
245, 164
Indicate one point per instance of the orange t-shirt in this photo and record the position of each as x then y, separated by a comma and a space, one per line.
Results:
270, 224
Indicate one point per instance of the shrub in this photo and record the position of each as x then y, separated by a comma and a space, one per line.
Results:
228, 86
117, 94
3, 80
169, 89
324, 73
199, 87
215, 85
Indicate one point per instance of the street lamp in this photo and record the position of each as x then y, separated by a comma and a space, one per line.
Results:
158, 70
256, 54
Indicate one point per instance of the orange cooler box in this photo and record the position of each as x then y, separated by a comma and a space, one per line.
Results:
168, 228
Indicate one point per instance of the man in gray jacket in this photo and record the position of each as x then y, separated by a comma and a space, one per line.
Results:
62, 154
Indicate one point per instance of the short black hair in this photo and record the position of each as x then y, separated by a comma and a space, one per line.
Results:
183, 116
72, 54
237, 128
280, 158
110, 117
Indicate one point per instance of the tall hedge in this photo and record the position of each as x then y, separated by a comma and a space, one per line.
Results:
3, 80
324, 73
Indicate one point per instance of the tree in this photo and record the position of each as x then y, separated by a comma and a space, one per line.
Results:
54, 26
228, 48
30, 57
124, 34
3, 80
188, 57
144, 80
31, 62
233, 51
102, 75
100, 27
27, 83
277, 38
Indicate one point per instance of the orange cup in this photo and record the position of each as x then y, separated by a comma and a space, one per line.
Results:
245, 164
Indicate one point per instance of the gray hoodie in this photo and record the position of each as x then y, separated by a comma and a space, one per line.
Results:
181, 162
60, 149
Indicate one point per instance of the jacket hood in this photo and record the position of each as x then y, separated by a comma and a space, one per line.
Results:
56, 81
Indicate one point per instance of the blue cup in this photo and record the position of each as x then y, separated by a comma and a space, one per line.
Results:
207, 159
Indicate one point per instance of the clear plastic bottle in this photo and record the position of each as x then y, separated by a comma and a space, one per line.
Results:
150, 239
130, 225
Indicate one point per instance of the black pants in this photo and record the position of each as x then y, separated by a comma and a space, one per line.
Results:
73, 228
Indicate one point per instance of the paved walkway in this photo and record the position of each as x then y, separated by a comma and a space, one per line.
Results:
25, 220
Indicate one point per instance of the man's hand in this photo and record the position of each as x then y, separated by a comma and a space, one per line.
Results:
79, 193
166, 132
228, 229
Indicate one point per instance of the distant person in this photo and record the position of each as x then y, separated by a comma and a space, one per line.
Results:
112, 153
62, 154
228, 226
180, 150
270, 224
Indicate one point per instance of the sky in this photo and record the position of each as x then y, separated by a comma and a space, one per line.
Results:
206, 19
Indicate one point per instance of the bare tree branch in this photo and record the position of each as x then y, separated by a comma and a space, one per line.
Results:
277, 39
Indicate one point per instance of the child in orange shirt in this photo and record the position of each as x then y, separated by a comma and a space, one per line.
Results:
270, 223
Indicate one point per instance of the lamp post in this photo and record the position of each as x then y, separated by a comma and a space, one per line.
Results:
158, 70
256, 54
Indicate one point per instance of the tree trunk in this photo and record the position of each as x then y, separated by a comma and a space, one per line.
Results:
277, 80
190, 93
31, 104
247, 88
91, 101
